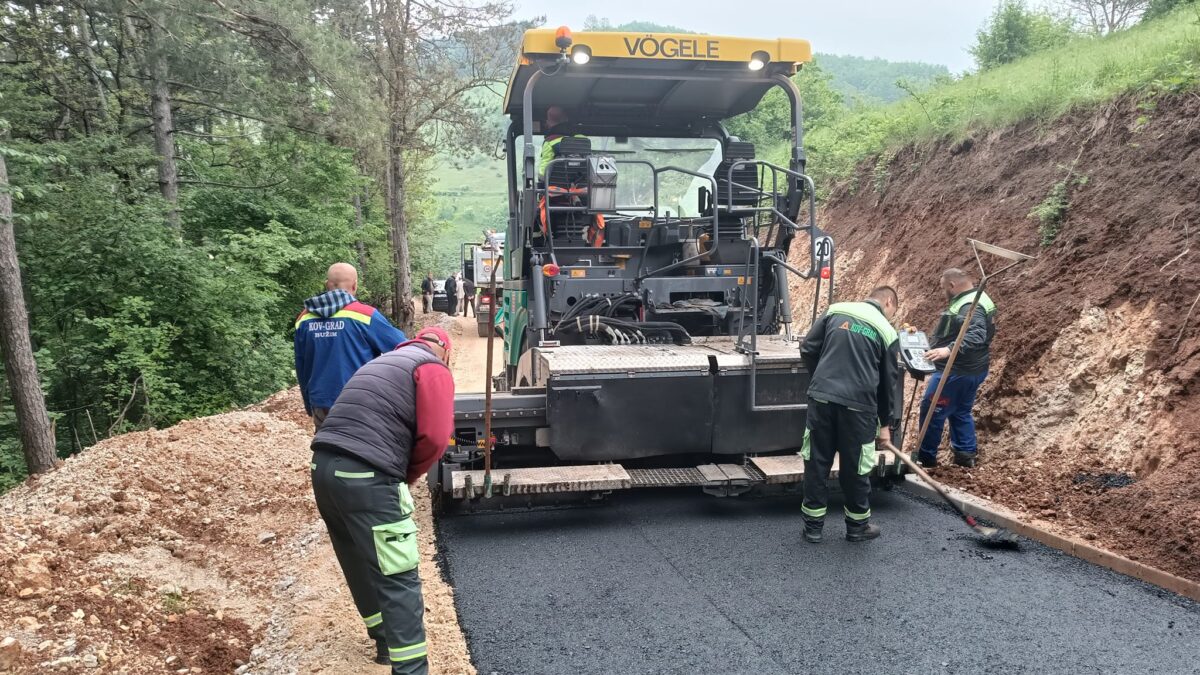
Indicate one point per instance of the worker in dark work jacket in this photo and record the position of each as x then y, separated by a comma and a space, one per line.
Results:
390, 424
968, 373
852, 352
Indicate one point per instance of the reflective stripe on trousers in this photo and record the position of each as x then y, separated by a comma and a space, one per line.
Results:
369, 518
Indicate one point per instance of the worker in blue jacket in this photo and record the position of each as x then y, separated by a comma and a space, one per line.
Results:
335, 336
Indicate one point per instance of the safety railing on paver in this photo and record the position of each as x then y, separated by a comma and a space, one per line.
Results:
820, 259
543, 192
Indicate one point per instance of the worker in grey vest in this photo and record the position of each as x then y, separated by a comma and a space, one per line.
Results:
968, 373
853, 354
391, 423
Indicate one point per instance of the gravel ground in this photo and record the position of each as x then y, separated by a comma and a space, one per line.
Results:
194, 549
674, 582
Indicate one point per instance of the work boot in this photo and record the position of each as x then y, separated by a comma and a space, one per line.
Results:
966, 459
381, 653
864, 531
812, 530
923, 460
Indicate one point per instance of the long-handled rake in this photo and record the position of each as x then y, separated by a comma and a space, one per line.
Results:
992, 535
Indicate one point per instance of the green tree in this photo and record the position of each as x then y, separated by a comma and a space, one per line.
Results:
20, 367
1156, 9
262, 117
770, 123
1014, 31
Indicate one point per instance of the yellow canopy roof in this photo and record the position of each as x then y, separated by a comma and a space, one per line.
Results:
647, 81
670, 46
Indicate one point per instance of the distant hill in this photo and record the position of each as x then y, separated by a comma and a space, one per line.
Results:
873, 80
594, 23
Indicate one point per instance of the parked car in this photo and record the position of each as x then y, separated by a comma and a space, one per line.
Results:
440, 302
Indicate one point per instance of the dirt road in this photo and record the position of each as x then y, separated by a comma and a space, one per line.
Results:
469, 360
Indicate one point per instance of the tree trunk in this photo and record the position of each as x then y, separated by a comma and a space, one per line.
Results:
33, 423
402, 310
163, 122
89, 56
359, 245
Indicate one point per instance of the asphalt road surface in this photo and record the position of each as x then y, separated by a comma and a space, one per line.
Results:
676, 582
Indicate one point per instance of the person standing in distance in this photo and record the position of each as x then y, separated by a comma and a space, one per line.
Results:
469, 297
452, 295
853, 354
461, 288
335, 335
427, 293
392, 422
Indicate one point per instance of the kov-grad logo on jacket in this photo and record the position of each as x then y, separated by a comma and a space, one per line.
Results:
335, 336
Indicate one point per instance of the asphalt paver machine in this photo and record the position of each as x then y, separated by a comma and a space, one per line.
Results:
649, 339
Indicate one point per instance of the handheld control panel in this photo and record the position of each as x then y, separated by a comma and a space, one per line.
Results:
913, 345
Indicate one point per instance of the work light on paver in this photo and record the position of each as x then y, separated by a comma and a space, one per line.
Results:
581, 54
759, 60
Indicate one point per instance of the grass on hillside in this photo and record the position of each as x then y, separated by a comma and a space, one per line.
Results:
1155, 58
470, 195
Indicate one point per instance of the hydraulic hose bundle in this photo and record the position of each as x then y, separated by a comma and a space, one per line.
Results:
596, 316
622, 332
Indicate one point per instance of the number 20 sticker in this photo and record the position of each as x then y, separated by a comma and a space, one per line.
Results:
822, 248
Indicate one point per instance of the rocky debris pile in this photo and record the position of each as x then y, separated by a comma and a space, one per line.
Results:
195, 549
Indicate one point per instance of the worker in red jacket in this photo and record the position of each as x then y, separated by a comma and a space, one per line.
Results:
391, 423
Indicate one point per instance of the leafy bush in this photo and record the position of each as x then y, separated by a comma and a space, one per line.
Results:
1052, 210
137, 325
1015, 31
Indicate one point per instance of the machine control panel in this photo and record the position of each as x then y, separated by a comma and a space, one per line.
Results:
913, 345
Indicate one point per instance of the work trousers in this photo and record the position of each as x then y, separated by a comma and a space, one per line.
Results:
426, 302
469, 304
955, 404
369, 518
452, 305
833, 428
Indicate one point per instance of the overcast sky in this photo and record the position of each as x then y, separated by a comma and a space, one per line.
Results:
934, 31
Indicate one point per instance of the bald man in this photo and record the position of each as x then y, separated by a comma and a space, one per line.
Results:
335, 335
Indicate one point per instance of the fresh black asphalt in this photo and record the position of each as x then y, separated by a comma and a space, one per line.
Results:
676, 582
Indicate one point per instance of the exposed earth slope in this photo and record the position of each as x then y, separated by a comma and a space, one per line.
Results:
1090, 418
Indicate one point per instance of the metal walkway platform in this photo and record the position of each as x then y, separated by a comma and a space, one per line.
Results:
726, 479
699, 356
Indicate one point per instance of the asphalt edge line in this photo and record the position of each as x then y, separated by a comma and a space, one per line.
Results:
1009, 519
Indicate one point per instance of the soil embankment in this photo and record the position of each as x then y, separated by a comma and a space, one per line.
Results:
1090, 418
198, 549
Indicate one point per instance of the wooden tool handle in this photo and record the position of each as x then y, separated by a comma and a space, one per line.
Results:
916, 468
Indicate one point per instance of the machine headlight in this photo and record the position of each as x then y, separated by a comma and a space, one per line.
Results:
581, 54
759, 60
